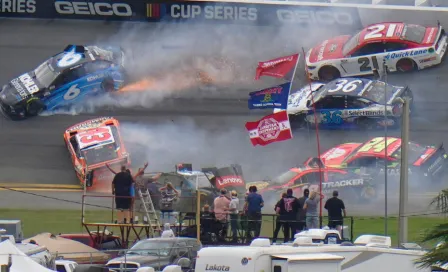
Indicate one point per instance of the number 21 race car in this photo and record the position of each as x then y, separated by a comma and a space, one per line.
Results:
404, 47
91, 145
347, 103
63, 80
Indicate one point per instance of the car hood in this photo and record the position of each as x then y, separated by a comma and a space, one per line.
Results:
335, 156
328, 49
141, 259
297, 100
20, 88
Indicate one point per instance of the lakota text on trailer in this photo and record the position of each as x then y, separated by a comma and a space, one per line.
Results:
215, 12
89, 8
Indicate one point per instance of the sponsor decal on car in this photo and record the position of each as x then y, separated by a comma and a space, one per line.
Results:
406, 54
428, 59
89, 124
92, 78
29, 84
322, 50
334, 153
343, 183
228, 181
365, 113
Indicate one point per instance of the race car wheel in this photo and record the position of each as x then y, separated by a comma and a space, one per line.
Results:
406, 65
366, 123
34, 106
108, 85
329, 73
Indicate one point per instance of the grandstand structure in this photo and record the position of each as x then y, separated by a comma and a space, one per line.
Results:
416, 3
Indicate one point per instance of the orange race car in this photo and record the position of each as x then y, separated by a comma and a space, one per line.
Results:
93, 144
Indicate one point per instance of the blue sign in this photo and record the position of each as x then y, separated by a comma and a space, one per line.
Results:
273, 97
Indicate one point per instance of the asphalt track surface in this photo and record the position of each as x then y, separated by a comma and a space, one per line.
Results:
205, 130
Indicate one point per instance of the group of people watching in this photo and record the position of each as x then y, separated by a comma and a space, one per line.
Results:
298, 214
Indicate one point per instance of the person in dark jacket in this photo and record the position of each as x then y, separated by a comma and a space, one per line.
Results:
289, 206
278, 223
121, 188
301, 215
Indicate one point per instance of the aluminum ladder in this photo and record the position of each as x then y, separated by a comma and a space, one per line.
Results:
151, 215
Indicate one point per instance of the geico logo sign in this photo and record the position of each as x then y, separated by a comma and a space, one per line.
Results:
213, 12
85, 8
314, 17
17, 6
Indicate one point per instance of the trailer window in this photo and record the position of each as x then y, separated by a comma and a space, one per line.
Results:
277, 268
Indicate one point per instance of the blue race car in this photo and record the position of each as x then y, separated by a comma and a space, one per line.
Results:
64, 79
347, 103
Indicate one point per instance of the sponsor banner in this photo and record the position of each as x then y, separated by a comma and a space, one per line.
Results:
186, 11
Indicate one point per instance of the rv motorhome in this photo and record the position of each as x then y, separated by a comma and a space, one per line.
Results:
369, 253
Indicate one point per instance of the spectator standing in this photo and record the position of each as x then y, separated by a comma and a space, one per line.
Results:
233, 210
278, 221
169, 195
301, 215
312, 215
221, 207
254, 204
335, 208
121, 189
289, 206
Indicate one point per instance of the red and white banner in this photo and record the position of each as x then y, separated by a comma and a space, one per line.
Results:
272, 128
278, 67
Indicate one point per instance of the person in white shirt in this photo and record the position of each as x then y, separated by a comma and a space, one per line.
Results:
167, 231
233, 211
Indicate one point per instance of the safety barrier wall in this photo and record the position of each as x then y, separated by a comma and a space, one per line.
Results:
259, 13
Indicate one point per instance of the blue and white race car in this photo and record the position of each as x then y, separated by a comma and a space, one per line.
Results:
347, 103
64, 79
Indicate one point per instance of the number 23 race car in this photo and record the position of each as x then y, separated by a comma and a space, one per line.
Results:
93, 144
63, 80
347, 103
404, 47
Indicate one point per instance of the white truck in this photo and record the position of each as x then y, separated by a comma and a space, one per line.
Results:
369, 253
65, 266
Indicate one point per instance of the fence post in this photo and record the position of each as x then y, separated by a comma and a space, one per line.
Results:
351, 228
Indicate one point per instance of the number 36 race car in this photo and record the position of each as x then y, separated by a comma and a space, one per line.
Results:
404, 47
63, 80
91, 145
347, 103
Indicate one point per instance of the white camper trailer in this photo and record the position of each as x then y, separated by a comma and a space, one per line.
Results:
369, 253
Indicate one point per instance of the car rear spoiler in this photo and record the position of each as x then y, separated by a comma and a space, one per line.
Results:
433, 163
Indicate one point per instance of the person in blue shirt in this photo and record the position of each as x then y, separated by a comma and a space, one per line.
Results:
254, 203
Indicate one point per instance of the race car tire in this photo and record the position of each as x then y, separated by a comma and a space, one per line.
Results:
329, 73
34, 106
366, 123
108, 85
406, 65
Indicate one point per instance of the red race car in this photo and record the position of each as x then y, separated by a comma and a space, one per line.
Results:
403, 47
426, 162
93, 144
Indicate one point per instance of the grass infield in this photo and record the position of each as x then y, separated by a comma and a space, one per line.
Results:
69, 221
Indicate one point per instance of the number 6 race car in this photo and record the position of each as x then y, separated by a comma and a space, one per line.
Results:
404, 47
63, 80
92, 144
347, 103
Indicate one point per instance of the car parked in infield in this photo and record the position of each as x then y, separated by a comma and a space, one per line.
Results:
92, 144
347, 103
425, 162
403, 47
353, 186
63, 80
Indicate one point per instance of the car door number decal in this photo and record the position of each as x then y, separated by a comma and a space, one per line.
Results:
69, 59
376, 29
365, 64
346, 86
331, 117
72, 92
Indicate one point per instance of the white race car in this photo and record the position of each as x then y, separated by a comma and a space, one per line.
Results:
403, 47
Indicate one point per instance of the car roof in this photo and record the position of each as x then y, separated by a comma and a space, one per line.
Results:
375, 147
387, 31
362, 84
